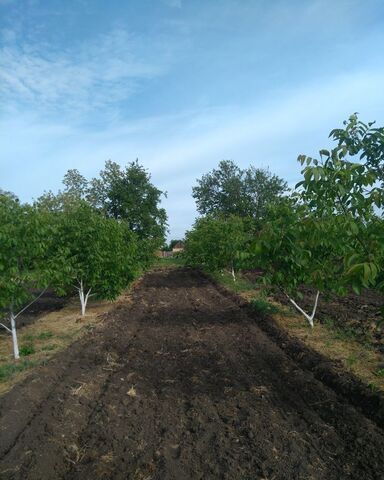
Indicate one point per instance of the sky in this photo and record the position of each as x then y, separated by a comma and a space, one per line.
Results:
180, 85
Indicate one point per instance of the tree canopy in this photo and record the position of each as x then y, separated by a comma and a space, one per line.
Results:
92, 252
129, 194
230, 190
217, 243
327, 234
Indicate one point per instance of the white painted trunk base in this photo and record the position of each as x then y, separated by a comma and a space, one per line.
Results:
12, 330
83, 297
14, 338
311, 317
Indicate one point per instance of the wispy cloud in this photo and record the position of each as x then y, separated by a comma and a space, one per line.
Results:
179, 148
181, 86
98, 73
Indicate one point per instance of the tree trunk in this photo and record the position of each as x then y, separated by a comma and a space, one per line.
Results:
14, 337
233, 273
310, 318
12, 330
83, 298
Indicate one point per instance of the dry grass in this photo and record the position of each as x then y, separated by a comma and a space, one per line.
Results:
356, 356
49, 334
132, 392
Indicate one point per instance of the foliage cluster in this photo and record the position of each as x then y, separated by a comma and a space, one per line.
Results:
327, 233
218, 243
230, 190
92, 236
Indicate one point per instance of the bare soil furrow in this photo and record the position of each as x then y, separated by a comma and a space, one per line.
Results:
180, 384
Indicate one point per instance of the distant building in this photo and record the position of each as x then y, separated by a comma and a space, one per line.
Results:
179, 247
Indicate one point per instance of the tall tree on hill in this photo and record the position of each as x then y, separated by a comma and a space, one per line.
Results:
230, 190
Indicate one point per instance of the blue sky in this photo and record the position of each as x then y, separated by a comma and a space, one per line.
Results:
180, 84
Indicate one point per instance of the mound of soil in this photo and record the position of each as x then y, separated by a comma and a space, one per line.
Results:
181, 383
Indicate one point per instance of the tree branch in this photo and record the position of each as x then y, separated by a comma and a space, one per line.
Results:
2, 325
29, 304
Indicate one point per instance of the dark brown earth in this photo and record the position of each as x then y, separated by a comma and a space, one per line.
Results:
180, 383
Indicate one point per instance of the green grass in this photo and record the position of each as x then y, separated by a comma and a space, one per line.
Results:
226, 279
40, 336
338, 332
374, 388
380, 373
26, 350
166, 262
263, 307
351, 360
9, 369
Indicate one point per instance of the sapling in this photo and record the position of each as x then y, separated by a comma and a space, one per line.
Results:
311, 317
12, 321
93, 254
329, 234
25, 240
217, 243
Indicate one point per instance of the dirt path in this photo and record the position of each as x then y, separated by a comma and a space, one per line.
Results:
181, 384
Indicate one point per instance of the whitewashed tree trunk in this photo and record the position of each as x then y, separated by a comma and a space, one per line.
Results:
14, 337
83, 297
12, 330
311, 317
233, 273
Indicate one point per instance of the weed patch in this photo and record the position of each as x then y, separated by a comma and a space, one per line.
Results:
263, 307
240, 285
7, 370
46, 335
26, 350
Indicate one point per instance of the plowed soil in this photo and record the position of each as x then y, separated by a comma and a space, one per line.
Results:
180, 383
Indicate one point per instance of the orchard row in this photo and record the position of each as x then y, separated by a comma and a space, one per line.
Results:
93, 237
326, 233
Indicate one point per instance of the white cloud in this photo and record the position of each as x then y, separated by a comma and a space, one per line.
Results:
180, 148
99, 73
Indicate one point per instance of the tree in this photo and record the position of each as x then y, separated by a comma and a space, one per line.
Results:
293, 248
329, 234
129, 195
362, 140
229, 190
75, 184
336, 186
93, 254
217, 243
24, 237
